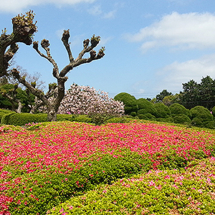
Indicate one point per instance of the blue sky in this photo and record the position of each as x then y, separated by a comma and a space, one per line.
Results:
151, 45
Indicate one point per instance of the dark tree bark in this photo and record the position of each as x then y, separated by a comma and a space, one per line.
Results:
23, 29
54, 103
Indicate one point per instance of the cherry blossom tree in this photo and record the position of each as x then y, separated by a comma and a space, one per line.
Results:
86, 100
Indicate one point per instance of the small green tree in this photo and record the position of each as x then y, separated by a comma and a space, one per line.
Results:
145, 106
177, 109
162, 111
129, 101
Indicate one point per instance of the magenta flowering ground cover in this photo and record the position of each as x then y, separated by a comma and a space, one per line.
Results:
29, 160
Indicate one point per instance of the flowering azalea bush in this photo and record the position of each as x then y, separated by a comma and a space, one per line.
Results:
86, 100
46, 166
163, 192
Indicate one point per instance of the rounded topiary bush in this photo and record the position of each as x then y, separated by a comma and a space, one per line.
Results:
168, 119
181, 118
147, 116
201, 117
129, 101
179, 109
162, 111
145, 107
133, 114
201, 112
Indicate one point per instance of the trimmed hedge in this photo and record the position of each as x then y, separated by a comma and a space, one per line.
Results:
119, 120
3, 112
147, 116
22, 118
201, 117
129, 101
179, 109
162, 111
181, 118
145, 107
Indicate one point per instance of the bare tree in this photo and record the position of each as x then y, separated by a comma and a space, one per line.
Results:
23, 30
61, 78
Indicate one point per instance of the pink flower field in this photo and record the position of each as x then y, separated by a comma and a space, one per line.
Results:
42, 168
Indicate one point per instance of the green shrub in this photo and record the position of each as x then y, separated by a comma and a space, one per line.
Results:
201, 117
6, 117
179, 109
156, 192
181, 118
162, 111
168, 119
147, 116
22, 118
133, 114
129, 101
3, 112
201, 112
64, 117
145, 106
81, 118
119, 120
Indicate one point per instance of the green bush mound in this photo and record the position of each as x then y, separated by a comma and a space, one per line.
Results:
145, 106
179, 109
147, 116
81, 118
119, 120
181, 118
162, 111
3, 112
201, 117
22, 118
129, 101
168, 119
189, 191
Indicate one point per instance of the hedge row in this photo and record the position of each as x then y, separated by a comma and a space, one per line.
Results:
143, 109
8, 117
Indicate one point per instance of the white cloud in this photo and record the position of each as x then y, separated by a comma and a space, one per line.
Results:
187, 31
172, 76
104, 40
95, 10
110, 14
15, 6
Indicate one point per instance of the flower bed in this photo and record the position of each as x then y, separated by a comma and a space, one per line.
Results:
156, 192
42, 168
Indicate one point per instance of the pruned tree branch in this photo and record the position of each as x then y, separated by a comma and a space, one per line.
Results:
23, 29
65, 39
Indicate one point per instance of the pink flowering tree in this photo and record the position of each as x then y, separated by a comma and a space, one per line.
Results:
86, 100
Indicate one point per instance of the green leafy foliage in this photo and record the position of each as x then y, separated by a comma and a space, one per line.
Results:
129, 101
181, 191
162, 111
179, 109
181, 118
145, 107
146, 116
201, 117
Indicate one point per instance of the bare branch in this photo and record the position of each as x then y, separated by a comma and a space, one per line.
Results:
32, 89
23, 29
94, 42
65, 39
45, 44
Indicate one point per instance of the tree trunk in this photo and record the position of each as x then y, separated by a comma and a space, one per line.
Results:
51, 114
19, 109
